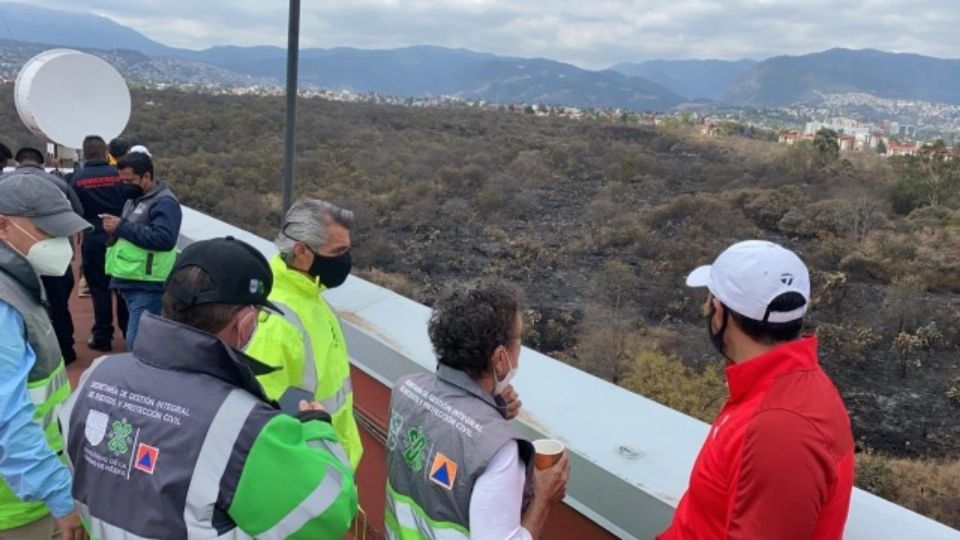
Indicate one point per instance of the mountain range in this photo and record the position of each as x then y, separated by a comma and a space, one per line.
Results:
434, 71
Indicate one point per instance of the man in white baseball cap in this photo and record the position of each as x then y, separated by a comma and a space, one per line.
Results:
778, 461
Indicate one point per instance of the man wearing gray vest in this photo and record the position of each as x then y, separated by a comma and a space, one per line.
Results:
177, 439
457, 469
36, 223
143, 241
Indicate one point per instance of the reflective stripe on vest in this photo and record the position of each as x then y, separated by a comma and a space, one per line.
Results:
331, 447
212, 462
406, 521
46, 382
204, 486
318, 502
42, 390
47, 396
102, 530
308, 380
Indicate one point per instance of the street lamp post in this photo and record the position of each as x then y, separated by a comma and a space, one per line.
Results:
293, 52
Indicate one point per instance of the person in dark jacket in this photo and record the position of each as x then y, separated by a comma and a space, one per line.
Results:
116, 150
58, 288
5, 156
143, 240
101, 191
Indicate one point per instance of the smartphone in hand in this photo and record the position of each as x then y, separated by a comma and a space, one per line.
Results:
290, 400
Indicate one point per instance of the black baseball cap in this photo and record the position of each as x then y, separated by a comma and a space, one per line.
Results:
240, 274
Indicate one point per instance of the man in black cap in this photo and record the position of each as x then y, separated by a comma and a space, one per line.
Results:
36, 223
195, 447
30, 161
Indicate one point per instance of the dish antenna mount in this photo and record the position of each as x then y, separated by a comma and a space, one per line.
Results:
63, 95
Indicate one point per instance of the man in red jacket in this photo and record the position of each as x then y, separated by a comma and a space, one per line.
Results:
778, 461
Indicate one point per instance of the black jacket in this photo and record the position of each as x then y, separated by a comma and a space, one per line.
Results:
100, 190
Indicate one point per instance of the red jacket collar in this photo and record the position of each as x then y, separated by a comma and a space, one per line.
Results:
757, 374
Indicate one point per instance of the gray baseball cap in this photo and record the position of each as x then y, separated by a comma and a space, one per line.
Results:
34, 197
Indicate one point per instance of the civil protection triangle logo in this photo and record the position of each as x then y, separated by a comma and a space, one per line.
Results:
96, 427
443, 472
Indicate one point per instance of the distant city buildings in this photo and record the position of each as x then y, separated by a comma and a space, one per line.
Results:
891, 139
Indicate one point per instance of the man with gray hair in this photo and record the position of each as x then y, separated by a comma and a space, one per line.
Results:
307, 341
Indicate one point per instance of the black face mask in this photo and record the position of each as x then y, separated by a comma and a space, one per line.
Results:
331, 271
717, 338
132, 191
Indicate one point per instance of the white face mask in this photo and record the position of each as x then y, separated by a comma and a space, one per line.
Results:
244, 322
49, 257
500, 385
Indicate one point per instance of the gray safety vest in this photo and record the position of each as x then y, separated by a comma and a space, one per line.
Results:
157, 438
138, 210
444, 430
20, 287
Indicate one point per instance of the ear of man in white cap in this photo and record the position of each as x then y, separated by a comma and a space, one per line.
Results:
749, 275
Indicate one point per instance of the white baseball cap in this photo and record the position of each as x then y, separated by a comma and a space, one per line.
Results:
141, 149
749, 275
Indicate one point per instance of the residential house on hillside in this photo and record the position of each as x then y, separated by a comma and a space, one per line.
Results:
793, 136
847, 142
898, 149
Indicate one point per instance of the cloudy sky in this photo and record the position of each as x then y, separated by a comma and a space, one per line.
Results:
591, 34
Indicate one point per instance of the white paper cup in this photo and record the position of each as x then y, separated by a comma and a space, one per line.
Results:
547, 453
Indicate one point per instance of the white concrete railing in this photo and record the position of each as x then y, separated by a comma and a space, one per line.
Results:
630, 457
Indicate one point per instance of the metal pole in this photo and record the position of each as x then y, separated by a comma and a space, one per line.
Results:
293, 52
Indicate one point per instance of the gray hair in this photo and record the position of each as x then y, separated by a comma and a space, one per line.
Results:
307, 222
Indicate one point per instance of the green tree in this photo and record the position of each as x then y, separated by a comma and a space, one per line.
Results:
881, 147
827, 144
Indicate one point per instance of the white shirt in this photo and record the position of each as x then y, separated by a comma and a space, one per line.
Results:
497, 498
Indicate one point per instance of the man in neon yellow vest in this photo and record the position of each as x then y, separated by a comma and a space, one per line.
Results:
307, 341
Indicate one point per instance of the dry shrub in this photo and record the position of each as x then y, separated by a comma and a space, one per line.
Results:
377, 250
767, 207
397, 283
691, 229
929, 253
953, 390
850, 343
666, 380
875, 475
928, 486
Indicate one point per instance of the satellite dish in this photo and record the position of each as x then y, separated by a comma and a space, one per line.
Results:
64, 95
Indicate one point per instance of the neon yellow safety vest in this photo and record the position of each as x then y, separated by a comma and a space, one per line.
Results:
307, 344
48, 387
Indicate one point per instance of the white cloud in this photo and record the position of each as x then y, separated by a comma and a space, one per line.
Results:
591, 34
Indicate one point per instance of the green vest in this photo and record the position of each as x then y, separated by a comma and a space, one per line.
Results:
307, 344
126, 260
47, 382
